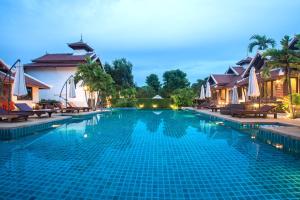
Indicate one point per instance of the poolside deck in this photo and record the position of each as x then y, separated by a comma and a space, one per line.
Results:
32, 121
291, 130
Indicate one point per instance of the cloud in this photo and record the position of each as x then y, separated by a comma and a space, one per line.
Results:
190, 34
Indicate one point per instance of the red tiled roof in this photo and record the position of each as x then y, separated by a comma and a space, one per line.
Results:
239, 69
29, 80
80, 45
223, 79
61, 57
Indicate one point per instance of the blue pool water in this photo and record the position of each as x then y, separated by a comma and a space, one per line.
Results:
147, 154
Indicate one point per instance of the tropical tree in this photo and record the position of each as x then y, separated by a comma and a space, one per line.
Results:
261, 42
197, 86
145, 92
287, 59
94, 79
121, 72
174, 79
153, 81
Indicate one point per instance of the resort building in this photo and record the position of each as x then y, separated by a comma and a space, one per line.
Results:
34, 86
272, 88
54, 69
222, 84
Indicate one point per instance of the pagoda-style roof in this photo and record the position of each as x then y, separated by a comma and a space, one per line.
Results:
66, 59
80, 45
62, 60
236, 70
246, 60
257, 62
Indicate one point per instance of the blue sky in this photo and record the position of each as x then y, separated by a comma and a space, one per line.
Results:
199, 37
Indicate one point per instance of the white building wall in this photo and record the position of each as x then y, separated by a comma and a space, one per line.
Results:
55, 77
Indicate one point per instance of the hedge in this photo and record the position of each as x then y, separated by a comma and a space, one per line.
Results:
143, 103
146, 103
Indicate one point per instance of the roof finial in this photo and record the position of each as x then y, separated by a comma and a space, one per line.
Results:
81, 37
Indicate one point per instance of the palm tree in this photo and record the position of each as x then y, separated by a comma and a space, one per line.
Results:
286, 59
261, 42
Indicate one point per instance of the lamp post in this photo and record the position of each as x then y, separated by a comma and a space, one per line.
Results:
8, 74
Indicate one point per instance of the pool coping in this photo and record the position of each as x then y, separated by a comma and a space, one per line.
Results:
15, 130
287, 129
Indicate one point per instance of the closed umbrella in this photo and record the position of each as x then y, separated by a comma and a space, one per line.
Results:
235, 97
207, 92
19, 88
72, 93
202, 93
253, 89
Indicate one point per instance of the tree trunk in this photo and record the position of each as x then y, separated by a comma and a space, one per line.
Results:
291, 109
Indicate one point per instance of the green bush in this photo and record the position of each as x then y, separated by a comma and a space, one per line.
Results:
296, 99
147, 103
183, 97
123, 102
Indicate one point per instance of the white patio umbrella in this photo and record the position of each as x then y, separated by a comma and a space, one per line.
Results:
19, 87
253, 89
234, 97
207, 92
157, 97
72, 93
202, 93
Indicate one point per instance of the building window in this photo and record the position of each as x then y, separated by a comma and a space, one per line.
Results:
268, 89
28, 96
294, 85
223, 94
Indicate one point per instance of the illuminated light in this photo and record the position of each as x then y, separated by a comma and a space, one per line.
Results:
278, 81
174, 107
255, 105
220, 123
85, 135
85, 88
253, 137
279, 146
55, 125
154, 105
141, 106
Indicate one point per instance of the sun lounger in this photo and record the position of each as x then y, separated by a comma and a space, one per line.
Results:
26, 108
262, 112
205, 105
63, 109
227, 110
13, 115
83, 108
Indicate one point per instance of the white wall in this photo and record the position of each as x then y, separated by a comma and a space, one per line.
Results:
55, 77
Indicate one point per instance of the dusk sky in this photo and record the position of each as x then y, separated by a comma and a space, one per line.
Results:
199, 37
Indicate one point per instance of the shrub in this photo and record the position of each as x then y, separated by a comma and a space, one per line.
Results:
123, 102
183, 97
147, 103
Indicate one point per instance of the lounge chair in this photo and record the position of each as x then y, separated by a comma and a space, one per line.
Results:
261, 112
83, 108
26, 108
64, 109
205, 105
227, 110
13, 115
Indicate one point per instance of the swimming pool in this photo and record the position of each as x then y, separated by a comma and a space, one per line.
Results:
146, 154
